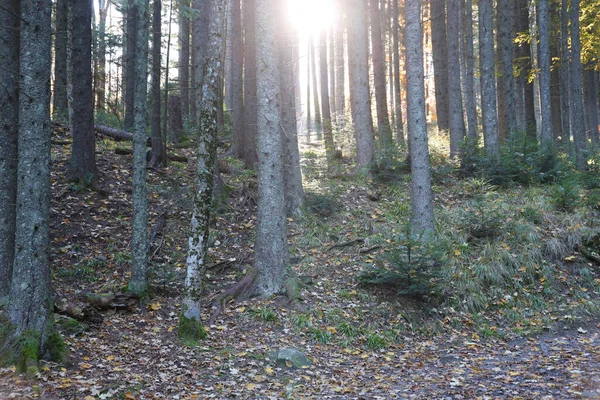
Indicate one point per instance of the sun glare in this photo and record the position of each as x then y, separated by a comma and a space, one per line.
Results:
310, 16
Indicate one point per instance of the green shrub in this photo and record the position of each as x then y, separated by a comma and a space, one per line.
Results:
324, 205
565, 195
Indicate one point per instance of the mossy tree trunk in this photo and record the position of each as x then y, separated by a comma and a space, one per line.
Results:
190, 325
30, 308
138, 283
9, 134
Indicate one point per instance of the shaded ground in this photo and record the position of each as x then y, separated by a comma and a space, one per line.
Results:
363, 343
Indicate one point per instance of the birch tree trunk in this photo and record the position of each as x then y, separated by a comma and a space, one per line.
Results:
383, 123
422, 223
30, 309
138, 284
190, 325
455, 107
271, 248
83, 150
577, 90
9, 136
543, 13
359, 83
488, 80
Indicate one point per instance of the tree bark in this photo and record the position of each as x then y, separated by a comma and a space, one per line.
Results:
184, 58
422, 223
439, 48
294, 193
103, 6
591, 103
83, 149
130, 63
455, 107
271, 250
359, 95
159, 146
506, 90
383, 123
315, 90
470, 92
397, 87
543, 13
138, 284
577, 90
237, 84
565, 105
250, 155
59, 101
30, 308
488, 80
9, 136
175, 119
327, 124
207, 134
340, 69
331, 69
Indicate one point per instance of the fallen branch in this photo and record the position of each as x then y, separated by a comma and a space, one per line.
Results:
346, 244
79, 312
370, 249
238, 291
108, 301
116, 134
172, 157
158, 227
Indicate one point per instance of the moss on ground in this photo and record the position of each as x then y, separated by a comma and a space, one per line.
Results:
190, 331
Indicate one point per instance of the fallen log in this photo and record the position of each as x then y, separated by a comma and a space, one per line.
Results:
172, 157
108, 301
79, 312
116, 134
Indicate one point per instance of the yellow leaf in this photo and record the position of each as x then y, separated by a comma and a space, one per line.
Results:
332, 330
269, 371
260, 378
129, 396
110, 358
86, 366
171, 328
240, 309
570, 258
250, 386
457, 252
89, 398
155, 306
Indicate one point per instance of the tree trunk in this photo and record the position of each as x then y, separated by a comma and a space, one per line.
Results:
237, 85
103, 6
138, 284
315, 91
422, 223
359, 95
488, 80
297, 88
470, 92
59, 101
331, 69
175, 119
543, 14
9, 136
439, 48
250, 155
184, 58
555, 95
200, 38
565, 105
454, 95
30, 308
308, 105
271, 250
207, 135
229, 54
340, 69
327, 125
577, 90
591, 103
130, 63
383, 123
159, 146
506, 89
397, 88
83, 149
294, 193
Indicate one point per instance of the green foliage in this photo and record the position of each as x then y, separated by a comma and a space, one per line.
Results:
481, 220
302, 321
264, 314
322, 336
376, 342
56, 346
348, 329
565, 195
190, 331
322, 204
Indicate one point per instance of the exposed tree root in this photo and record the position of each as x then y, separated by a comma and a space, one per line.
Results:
239, 291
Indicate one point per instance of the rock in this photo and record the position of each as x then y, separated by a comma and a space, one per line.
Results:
290, 357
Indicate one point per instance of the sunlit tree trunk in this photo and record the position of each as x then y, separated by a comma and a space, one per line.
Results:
59, 94
331, 70
315, 90
524, 68
359, 83
440, 62
555, 92
9, 136
190, 326
543, 14
30, 308
455, 107
422, 223
470, 93
340, 69
327, 125
577, 90
138, 284
565, 105
250, 156
159, 149
271, 249
383, 123
294, 193
488, 80
83, 150
103, 6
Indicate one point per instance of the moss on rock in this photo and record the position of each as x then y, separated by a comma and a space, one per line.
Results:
190, 331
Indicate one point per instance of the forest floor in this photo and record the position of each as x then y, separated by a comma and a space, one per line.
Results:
539, 339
